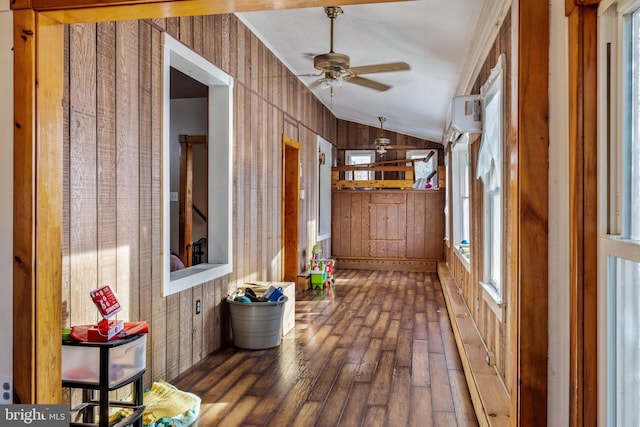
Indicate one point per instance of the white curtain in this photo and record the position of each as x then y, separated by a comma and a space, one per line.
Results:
491, 144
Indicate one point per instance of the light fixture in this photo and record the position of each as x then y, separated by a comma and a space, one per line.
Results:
331, 82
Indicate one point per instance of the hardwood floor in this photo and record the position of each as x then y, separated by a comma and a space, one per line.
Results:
374, 349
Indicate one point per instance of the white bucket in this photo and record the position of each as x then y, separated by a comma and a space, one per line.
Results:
256, 325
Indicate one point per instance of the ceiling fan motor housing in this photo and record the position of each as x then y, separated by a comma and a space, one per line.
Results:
381, 141
331, 61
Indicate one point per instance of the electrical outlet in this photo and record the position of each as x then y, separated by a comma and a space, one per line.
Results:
6, 390
198, 306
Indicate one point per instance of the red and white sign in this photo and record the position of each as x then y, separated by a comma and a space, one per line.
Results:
106, 300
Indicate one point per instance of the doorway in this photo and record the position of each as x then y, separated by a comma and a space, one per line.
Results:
290, 207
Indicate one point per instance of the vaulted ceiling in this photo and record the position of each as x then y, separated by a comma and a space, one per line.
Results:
443, 41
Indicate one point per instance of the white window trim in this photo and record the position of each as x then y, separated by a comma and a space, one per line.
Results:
411, 154
611, 219
220, 164
447, 216
324, 189
462, 144
353, 153
490, 162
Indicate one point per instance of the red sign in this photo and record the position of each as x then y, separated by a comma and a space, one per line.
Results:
105, 299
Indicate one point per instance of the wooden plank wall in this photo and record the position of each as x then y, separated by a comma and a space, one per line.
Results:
384, 224
494, 332
112, 173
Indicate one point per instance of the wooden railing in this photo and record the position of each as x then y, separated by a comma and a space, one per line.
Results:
404, 176
338, 177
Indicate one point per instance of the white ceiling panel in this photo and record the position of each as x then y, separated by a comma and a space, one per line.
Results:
437, 38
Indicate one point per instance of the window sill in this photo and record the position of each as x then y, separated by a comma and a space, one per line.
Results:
195, 275
493, 300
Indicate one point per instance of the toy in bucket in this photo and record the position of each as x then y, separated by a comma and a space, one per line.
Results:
329, 266
108, 305
318, 274
274, 294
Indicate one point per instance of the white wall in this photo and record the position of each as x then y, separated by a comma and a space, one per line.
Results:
558, 374
188, 117
6, 195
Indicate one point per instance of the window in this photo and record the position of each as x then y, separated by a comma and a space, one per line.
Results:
619, 215
324, 188
424, 169
217, 126
460, 190
447, 231
489, 170
360, 157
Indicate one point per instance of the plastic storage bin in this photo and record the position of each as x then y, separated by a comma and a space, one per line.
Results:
317, 279
81, 361
256, 325
289, 290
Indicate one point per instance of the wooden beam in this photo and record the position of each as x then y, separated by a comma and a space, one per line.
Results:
37, 292
79, 11
571, 5
193, 139
583, 238
374, 183
373, 168
531, 29
186, 204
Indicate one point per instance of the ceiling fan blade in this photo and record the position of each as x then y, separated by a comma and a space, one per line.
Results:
314, 84
380, 68
368, 83
400, 147
309, 74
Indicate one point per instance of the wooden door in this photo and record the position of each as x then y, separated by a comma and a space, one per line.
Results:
388, 225
290, 207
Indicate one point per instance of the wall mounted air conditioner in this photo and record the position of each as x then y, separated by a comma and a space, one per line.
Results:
465, 116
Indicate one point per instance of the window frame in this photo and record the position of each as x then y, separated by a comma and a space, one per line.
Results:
353, 153
490, 171
614, 222
220, 168
447, 219
433, 161
461, 195
325, 149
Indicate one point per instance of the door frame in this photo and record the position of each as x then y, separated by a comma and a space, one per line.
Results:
290, 208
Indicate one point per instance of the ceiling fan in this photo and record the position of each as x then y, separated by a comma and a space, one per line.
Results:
382, 144
335, 67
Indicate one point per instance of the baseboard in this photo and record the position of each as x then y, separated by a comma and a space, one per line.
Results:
387, 264
490, 398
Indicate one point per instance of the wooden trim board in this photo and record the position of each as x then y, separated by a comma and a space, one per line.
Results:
387, 264
488, 393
